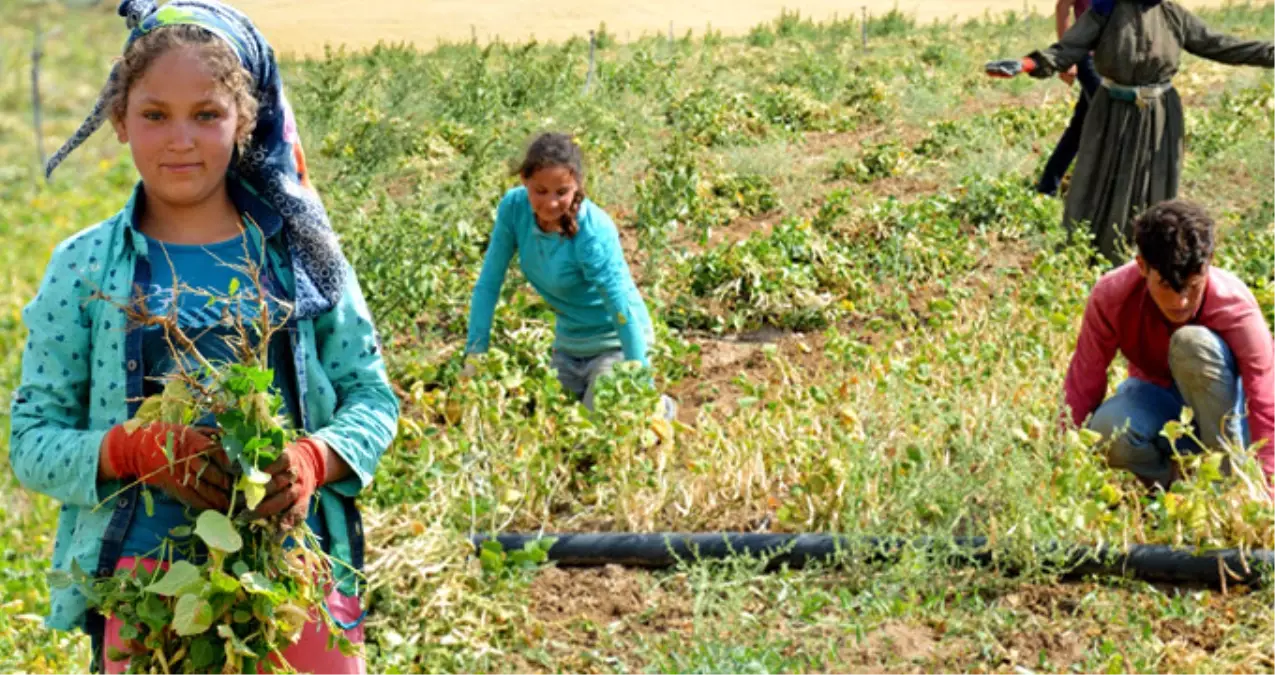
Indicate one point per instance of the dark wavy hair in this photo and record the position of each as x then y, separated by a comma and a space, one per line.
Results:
549, 150
1176, 239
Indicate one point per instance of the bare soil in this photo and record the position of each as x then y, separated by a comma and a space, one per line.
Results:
603, 596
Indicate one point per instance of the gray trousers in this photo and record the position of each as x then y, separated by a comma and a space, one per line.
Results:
579, 375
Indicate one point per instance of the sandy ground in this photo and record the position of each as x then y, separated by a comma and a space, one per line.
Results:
304, 26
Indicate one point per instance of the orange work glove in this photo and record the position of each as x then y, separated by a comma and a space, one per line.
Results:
196, 476
296, 475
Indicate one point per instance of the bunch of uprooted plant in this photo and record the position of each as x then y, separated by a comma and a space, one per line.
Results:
232, 597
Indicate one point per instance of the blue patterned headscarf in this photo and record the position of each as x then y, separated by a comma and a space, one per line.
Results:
267, 165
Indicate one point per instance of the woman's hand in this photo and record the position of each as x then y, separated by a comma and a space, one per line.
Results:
180, 460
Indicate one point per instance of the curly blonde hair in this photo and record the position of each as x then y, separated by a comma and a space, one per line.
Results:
220, 57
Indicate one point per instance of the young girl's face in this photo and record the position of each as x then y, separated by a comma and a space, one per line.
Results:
551, 191
181, 126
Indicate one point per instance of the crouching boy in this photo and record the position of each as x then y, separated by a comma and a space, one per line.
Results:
1193, 336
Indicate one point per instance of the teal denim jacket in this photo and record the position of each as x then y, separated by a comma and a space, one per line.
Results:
82, 375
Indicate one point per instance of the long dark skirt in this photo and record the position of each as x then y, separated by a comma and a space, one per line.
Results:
1130, 158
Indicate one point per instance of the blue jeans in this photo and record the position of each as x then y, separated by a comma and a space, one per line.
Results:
579, 375
1205, 379
1069, 144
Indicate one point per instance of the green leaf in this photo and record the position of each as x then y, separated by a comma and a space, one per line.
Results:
153, 612
238, 384
218, 532
234, 286
181, 577
60, 579
257, 379
240, 568
252, 446
129, 632
181, 532
256, 583
491, 562
168, 449
1173, 430
232, 445
77, 573
237, 646
493, 546
222, 582
148, 501
1211, 468
204, 653
192, 616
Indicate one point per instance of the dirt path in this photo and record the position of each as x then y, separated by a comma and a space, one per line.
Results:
304, 26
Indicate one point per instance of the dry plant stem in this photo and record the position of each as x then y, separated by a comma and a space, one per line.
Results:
142, 479
173, 332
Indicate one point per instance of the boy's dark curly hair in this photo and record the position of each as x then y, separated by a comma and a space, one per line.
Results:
1176, 239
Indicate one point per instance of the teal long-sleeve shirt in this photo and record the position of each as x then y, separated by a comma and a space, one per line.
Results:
584, 279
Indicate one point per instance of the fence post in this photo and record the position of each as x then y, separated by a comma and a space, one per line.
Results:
588, 78
865, 28
37, 50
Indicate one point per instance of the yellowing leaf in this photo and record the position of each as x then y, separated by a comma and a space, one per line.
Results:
452, 411
253, 493
662, 429
149, 411
175, 403
253, 485
192, 615
1211, 468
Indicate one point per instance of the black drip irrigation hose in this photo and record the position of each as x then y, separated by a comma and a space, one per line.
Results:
1165, 564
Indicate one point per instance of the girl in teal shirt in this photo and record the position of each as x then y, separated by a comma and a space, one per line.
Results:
197, 98
569, 250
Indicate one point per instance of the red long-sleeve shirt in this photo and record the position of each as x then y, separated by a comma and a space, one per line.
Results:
1122, 316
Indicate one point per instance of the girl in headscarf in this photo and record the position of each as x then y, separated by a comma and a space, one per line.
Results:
197, 98
1131, 145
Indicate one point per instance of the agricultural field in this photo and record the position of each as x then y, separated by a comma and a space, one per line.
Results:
862, 307
305, 26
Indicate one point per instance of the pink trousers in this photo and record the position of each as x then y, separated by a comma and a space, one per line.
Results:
310, 654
